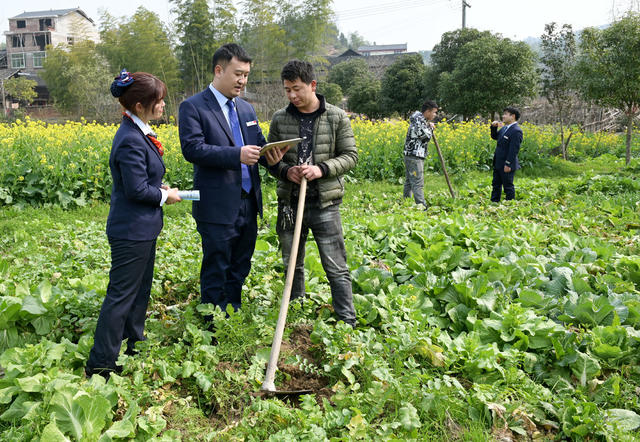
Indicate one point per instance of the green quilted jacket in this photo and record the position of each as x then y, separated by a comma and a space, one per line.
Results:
333, 145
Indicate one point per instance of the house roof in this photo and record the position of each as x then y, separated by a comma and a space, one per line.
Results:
350, 53
51, 13
374, 59
382, 47
8, 73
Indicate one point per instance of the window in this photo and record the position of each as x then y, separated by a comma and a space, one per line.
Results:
42, 41
45, 23
38, 59
17, 61
70, 41
17, 41
21, 24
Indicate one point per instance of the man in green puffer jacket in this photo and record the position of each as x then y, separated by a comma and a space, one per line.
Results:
327, 152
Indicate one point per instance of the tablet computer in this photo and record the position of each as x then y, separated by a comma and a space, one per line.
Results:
290, 142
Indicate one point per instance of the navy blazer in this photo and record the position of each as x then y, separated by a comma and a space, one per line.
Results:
207, 142
508, 146
137, 170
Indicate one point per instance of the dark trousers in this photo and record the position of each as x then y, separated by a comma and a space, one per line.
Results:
503, 179
124, 308
226, 256
326, 226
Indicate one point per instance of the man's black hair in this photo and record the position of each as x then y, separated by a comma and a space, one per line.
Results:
429, 104
295, 69
225, 53
513, 111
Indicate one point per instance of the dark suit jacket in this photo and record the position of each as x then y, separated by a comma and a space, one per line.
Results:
507, 147
137, 170
207, 142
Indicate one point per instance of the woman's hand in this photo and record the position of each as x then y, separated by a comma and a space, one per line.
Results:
172, 195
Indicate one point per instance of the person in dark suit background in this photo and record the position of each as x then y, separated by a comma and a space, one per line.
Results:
134, 221
505, 159
220, 135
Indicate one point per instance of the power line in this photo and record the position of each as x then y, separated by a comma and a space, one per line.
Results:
378, 10
378, 6
382, 9
397, 25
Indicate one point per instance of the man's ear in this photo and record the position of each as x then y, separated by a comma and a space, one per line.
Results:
314, 85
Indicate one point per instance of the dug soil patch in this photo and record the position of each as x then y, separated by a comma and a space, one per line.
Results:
297, 378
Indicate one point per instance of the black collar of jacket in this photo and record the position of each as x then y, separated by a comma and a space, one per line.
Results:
296, 113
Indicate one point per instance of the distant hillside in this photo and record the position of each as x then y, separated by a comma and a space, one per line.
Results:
426, 56
534, 42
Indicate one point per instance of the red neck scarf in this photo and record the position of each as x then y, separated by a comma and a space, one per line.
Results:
153, 139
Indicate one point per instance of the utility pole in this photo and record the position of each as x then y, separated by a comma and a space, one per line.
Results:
4, 102
465, 5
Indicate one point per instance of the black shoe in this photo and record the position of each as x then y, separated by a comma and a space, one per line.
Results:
104, 372
212, 328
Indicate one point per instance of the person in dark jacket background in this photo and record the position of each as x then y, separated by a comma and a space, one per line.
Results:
135, 219
505, 159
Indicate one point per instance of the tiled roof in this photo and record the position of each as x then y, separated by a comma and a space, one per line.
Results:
8, 73
50, 13
382, 47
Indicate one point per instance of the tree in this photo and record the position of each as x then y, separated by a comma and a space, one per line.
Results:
141, 43
201, 30
609, 72
78, 80
402, 88
356, 40
342, 42
445, 53
364, 98
331, 91
308, 28
557, 72
264, 39
430, 87
490, 73
21, 89
348, 73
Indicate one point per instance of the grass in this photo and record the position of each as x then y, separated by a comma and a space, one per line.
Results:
203, 392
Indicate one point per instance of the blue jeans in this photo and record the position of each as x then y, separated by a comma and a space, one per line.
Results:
326, 226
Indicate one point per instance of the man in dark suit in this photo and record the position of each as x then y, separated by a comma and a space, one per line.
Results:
220, 135
505, 159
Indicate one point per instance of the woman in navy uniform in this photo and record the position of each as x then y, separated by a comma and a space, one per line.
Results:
135, 219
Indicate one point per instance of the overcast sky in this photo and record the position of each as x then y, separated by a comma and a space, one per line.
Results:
419, 23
